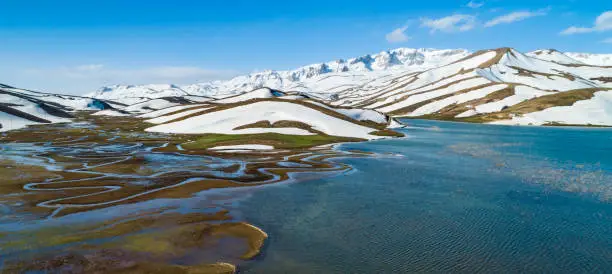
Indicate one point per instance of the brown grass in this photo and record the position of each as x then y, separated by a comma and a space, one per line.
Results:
220, 107
387, 133
567, 98
603, 79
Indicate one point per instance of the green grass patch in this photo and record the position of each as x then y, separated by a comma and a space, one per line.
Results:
274, 139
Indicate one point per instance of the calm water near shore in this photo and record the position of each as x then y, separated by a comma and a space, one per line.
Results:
462, 198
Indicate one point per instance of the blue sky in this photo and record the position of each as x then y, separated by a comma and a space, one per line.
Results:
77, 46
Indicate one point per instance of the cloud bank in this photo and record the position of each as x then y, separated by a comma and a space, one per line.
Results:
515, 17
453, 23
602, 23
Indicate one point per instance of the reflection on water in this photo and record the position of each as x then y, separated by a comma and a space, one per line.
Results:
464, 198
144, 203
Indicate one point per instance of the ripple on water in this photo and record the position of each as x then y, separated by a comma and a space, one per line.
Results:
492, 202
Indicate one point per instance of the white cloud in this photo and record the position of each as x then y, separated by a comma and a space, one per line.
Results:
474, 5
515, 17
607, 41
398, 35
602, 23
87, 78
90, 67
453, 23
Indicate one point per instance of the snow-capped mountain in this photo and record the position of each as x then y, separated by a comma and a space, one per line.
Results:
592, 59
131, 94
573, 57
325, 79
393, 60
490, 86
553, 55
20, 108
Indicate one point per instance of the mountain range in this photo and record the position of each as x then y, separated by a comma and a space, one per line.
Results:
304, 79
502, 86
386, 62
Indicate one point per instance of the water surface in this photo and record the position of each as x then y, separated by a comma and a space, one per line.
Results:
462, 198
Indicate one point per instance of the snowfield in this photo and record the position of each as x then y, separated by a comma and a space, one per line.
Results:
226, 121
110, 112
521, 94
418, 98
20, 108
592, 59
11, 122
149, 106
596, 111
168, 118
261, 93
401, 59
243, 147
165, 111
457, 99
357, 114
554, 56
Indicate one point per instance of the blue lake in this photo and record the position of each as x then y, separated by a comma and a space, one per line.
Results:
462, 198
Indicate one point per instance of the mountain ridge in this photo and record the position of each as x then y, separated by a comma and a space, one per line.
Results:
400, 59
500, 85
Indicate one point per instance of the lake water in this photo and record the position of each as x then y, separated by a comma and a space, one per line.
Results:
461, 198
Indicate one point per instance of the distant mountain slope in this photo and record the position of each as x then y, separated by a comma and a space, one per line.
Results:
294, 80
592, 59
135, 94
330, 77
20, 108
554, 56
490, 86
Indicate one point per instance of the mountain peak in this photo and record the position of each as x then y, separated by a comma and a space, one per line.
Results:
314, 76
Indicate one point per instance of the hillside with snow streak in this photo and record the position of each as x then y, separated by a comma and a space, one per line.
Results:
489, 86
302, 79
20, 108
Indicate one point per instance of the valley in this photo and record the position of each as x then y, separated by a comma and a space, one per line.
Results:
149, 178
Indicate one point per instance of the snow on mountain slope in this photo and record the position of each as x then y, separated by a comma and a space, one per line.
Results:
515, 67
20, 108
12, 122
260, 93
456, 99
356, 113
485, 82
178, 115
449, 84
241, 119
573, 57
295, 80
393, 95
151, 105
169, 110
553, 56
592, 59
111, 112
595, 111
363, 75
521, 94
136, 94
